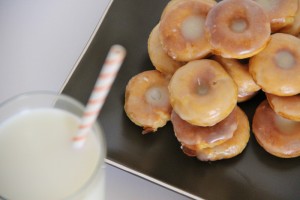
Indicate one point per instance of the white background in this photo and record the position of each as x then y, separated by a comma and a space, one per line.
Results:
40, 43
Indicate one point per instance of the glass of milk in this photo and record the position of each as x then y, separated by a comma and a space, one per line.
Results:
38, 160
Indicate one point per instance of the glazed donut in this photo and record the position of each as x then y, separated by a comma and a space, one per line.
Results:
147, 100
172, 3
277, 135
181, 29
276, 69
281, 12
228, 149
203, 137
294, 28
287, 107
237, 29
159, 58
202, 93
239, 72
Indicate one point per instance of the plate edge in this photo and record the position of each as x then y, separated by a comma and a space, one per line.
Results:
151, 179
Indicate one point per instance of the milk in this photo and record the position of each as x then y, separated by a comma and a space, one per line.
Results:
39, 162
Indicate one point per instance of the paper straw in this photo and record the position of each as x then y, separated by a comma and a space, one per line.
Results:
103, 84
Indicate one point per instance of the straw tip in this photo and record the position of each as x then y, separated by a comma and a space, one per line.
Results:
118, 49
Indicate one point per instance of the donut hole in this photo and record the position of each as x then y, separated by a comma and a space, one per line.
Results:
238, 25
192, 27
156, 96
202, 88
285, 59
204, 85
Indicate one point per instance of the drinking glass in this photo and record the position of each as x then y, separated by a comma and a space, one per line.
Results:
37, 155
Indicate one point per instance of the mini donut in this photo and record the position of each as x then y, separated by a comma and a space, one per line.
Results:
287, 107
171, 5
202, 93
281, 12
277, 135
228, 149
239, 72
294, 28
181, 29
159, 58
237, 29
276, 69
203, 137
147, 100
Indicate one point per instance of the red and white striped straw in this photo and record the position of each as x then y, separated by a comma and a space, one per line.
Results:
103, 84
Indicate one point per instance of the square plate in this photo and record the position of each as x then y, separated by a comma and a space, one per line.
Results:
254, 174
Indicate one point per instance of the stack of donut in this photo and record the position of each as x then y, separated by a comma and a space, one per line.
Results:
276, 123
208, 57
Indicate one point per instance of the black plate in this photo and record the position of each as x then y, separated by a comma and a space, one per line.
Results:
254, 174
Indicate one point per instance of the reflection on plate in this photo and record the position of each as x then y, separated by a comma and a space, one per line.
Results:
254, 174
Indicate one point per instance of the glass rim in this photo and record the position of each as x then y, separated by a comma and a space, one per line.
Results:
41, 92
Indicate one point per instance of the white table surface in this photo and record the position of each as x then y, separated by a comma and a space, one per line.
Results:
40, 43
